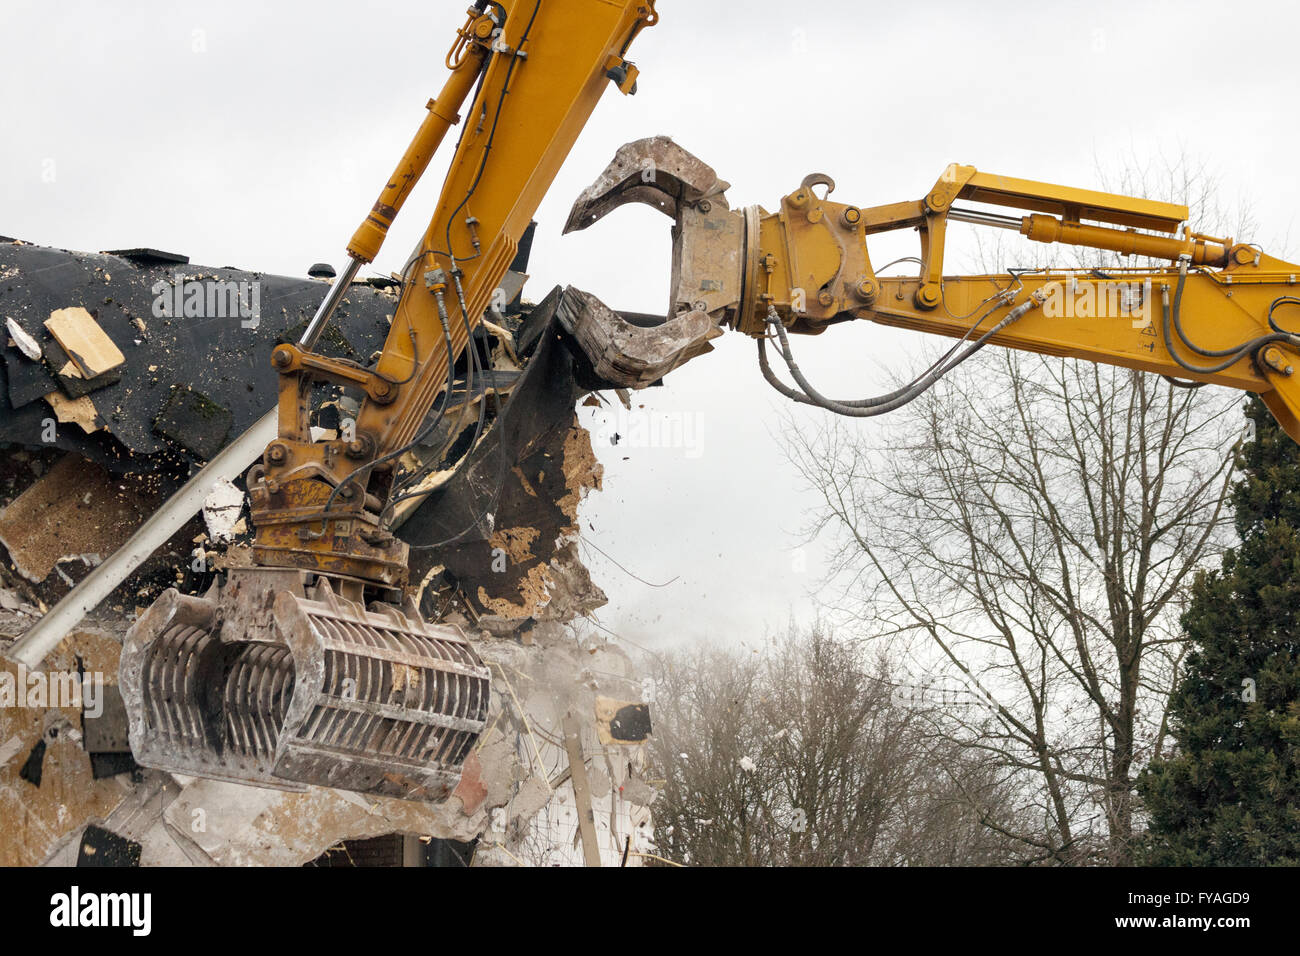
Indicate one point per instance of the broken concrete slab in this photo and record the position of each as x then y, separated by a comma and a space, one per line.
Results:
471, 791
221, 511
533, 794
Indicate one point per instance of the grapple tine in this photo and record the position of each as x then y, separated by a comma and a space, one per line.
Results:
271, 683
629, 355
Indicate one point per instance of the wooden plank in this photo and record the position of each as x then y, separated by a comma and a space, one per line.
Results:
86, 343
73, 383
581, 790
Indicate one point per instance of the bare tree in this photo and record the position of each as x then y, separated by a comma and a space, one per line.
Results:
803, 755
1037, 531
705, 725
1027, 529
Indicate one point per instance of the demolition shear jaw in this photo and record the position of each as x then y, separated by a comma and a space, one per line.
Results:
708, 262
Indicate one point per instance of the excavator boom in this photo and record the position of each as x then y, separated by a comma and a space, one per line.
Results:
314, 667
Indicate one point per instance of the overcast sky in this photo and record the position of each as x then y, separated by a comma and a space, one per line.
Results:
257, 134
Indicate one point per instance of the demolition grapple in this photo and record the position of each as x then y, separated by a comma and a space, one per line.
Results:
273, 681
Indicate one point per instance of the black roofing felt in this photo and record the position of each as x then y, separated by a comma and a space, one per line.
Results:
223, 360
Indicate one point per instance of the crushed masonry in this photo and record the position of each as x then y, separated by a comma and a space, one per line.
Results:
143, 413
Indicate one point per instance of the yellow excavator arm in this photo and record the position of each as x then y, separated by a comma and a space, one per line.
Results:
1216, 315
540, 68
314, 666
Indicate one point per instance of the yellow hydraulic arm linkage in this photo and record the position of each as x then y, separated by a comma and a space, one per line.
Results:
1218, 314
312, 667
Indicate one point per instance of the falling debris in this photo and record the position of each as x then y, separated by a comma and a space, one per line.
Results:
515, 585
622, 722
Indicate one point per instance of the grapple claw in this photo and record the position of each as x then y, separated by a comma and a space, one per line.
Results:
655, 171
711, 246
273, 683
627, 354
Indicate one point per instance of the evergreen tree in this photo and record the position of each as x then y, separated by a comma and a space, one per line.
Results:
1230, 793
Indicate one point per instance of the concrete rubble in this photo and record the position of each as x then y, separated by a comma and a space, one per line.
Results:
515, 796
69, 788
